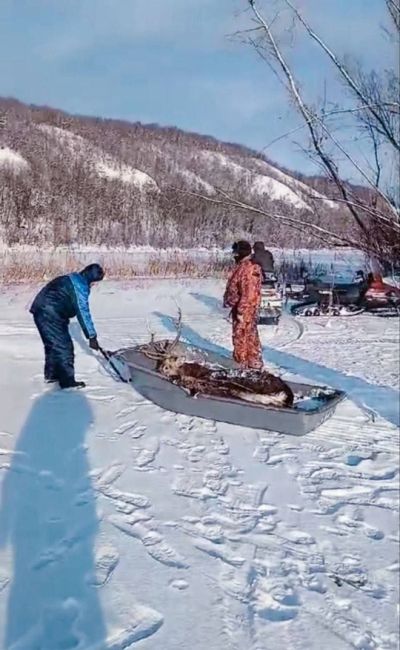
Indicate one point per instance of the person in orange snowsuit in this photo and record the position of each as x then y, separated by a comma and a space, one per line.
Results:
243, 296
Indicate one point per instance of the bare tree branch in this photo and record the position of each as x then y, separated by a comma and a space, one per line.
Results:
393, 7
347, 76
294, 222
392, 106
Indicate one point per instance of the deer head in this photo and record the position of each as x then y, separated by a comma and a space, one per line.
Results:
164, 352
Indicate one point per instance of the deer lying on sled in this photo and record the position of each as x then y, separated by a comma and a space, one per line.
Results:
255, 386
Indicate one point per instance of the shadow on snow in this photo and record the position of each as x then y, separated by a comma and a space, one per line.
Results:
48, 515
212, 303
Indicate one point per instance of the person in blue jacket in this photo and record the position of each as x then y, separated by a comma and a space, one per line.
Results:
60, 300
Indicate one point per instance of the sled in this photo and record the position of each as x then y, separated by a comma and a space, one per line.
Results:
309, 411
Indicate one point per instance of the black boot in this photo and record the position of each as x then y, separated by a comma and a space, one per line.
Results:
72, 384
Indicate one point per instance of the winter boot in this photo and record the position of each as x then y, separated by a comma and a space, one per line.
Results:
72, 384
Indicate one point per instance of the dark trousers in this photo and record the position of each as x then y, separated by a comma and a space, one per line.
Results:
58, 347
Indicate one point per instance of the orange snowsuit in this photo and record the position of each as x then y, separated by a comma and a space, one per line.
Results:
243, 295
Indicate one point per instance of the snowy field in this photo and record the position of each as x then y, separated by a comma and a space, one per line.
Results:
122, 525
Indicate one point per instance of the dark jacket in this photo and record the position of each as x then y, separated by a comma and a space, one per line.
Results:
263, 258
66, 297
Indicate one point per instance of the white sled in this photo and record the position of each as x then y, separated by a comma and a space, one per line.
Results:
313, 404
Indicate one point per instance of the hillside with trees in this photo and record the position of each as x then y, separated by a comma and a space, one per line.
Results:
68, 179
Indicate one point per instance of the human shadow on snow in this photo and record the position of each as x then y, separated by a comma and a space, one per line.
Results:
383, 400
48, 516
191, 336
212, 303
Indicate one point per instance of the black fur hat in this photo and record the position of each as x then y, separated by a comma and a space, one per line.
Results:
242, 249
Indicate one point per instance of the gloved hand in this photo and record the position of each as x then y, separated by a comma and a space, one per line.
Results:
94, 344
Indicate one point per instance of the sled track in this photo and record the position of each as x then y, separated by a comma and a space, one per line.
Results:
339, 430
298, 332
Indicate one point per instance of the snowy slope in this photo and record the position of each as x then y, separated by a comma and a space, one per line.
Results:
258, 184
122, 525
13, 159
296, 185
104, 165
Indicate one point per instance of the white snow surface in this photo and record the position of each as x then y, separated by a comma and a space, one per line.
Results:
12, 158
123, 525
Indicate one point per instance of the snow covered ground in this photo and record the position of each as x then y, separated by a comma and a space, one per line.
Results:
122, 525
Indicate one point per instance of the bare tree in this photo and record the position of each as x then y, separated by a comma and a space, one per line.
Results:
373, 112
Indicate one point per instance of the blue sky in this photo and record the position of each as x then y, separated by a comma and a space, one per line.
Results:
172, 62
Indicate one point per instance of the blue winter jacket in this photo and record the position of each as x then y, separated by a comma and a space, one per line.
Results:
66, 297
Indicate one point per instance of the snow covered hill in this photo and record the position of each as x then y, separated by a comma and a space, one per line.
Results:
72, 179
126, 526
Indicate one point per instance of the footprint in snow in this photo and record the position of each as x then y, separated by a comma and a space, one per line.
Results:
136, 623
268, 608
132, 428
153, 542
298, 537
126, 411
219, 551
178, 585
106, 559
145, 456
346, 523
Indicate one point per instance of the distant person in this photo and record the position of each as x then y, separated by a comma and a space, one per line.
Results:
60, 300
263, 258
360, 277
243, 296
376, 269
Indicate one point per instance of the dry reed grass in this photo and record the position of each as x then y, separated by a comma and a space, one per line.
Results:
21, 266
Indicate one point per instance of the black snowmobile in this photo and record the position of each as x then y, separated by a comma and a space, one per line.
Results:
324, 298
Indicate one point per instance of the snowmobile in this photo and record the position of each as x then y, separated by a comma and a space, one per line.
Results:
271, 301
325, 299
382, 299
349, 299
295, 290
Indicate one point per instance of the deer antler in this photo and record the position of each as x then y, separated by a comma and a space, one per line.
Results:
160, 350
178, 325
150, 331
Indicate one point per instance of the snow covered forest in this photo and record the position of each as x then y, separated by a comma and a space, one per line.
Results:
68, 179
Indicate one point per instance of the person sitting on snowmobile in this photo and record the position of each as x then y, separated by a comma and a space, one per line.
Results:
359, 277
60, 300
264, 259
